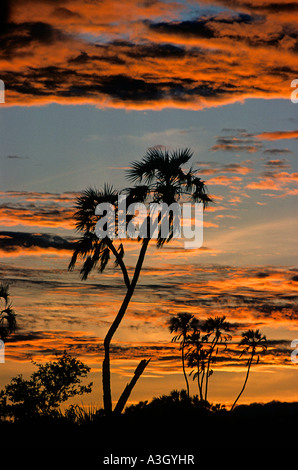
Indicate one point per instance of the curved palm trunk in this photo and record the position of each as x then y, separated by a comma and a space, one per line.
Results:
106, 373
183, 367
208, 367
200, 383
245, 381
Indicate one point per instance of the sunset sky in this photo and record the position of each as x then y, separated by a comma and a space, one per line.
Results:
89, 86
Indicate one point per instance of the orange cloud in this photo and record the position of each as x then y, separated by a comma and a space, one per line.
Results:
11, 216
276, 182
144, 54
224, 180
278, 135
37, 209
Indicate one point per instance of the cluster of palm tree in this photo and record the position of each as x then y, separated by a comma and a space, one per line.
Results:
200, 342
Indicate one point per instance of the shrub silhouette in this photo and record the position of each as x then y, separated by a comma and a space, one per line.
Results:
53, 383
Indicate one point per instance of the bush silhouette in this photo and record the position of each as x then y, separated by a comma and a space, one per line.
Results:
53, 383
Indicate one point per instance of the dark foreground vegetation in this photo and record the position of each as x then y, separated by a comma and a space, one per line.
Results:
168, 424
33, 425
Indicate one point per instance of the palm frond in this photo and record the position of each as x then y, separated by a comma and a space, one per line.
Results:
73, 260
159, 163
147, 167
137, 193
180, 157
101, 254
104, 259
83, 247
252, 341
199, 192
176, 338
8, 322
86, 268
86, 204
4, 292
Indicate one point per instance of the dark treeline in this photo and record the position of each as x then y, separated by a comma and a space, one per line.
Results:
167, 424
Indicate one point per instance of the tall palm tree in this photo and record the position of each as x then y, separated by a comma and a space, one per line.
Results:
7, 315
158, 177
215, 326
182, 324
253, 341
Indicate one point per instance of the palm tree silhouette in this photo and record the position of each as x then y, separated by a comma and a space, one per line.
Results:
252, 340
197, 357
158, 178
215, 326
7, 315
182, 324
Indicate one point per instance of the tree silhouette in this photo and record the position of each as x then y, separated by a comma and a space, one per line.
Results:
157, 178
7, 315
252, 340
53, 383
215, 326
199, 343
182, 324
197, 357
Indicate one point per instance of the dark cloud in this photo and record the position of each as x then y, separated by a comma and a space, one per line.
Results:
273, 7
16, 37
214, 168
258, 6
5, 12
241, 141
277, 164
10, 241
281, 309
235, 130
15, 157
262, 275
105, 56
277, 151
67, 83
126, 88
40, 82
65, 13
199, 28
155, 50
